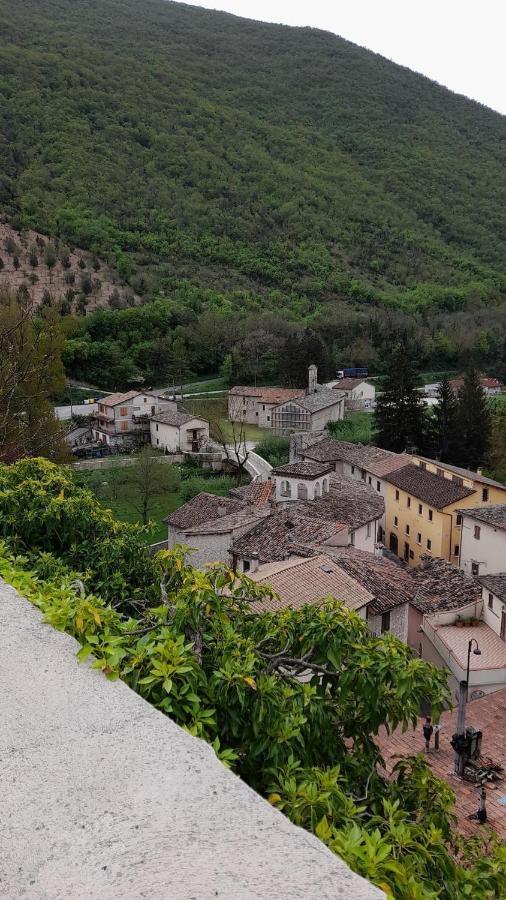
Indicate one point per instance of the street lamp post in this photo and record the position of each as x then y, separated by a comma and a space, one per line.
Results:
477, 652
461, 713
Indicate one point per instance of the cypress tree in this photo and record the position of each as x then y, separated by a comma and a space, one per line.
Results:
399, 415
443, 425
474, 422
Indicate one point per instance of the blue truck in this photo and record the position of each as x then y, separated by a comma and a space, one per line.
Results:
357, 372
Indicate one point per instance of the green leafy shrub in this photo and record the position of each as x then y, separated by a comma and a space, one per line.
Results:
276, 450
217, 485
193, 648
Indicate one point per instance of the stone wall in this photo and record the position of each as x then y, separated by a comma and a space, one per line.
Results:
103, 797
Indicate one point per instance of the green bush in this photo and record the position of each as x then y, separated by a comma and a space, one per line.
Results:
274, 449
356, 428
217, 485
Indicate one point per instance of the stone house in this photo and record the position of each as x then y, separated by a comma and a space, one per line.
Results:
358, 393
309, 413
254, 405
297, 582
123, 417
177, 431
361, 462
483, 539
209, 525
347, 513
287, 409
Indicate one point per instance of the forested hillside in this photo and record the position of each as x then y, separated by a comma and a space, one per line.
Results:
281, 178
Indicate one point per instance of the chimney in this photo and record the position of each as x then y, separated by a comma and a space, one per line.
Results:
253, 563
222, 509
479, 471
378, 549
313, 379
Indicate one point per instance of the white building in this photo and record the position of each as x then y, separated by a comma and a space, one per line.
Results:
125, 416
483, 539
493, 592
176, 431
358, 393
301, 481
446, 643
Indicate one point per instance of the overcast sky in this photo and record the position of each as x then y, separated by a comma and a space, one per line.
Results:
459, 43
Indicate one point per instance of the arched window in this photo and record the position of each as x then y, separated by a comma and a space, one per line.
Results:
302, 491
325, 486
286, 490
317, 491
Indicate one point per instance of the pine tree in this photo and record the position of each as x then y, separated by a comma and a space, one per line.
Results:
474, 422
443, 425
399, 415
498, 449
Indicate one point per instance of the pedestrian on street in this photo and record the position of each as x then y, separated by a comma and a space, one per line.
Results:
427, 733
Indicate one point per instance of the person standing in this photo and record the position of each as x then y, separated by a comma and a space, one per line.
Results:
437, 731
427, 732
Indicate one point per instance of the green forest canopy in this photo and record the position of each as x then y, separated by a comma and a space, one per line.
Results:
250, 170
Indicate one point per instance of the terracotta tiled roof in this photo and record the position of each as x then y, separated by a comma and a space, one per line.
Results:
309, 470
175, 417
273, 395
432, 489
487, 715
115, 399
495, 583
491, 515
464, 473
390, 584
285, 532
374, 460
257, 492
348, 501
302, 581
202, 508
225, 524
440, 586
485, 382
434, 587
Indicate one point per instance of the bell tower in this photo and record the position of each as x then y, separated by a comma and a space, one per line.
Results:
313, 379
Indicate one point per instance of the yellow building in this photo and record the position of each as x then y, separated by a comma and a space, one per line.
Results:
421, 508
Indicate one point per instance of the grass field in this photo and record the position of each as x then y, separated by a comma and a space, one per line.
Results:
215, 410
208, 384
115, 491
356, 427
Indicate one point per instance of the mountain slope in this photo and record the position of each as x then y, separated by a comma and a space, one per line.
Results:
46, 271
196, 146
